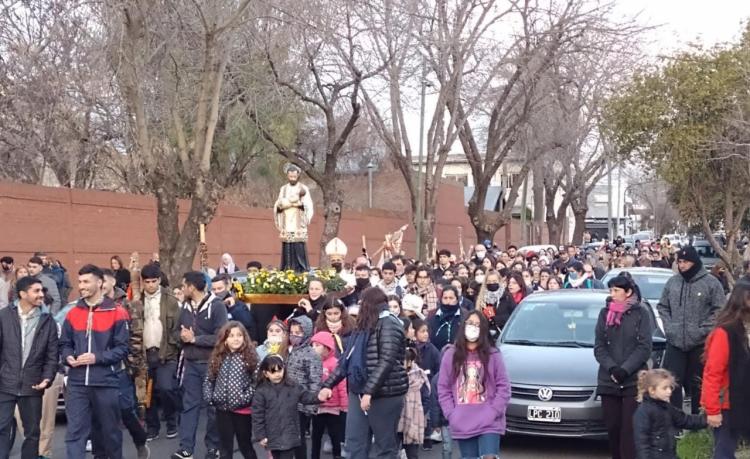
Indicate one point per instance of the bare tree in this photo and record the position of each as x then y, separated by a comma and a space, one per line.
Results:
55, 121
190, 138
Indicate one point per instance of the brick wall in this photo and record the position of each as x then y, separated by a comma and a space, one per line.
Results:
86, 226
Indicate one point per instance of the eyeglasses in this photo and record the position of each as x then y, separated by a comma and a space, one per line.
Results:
423, 277
275, 370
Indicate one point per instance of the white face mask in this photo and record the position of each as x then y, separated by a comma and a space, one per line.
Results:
479, 278
480, 255
472, 333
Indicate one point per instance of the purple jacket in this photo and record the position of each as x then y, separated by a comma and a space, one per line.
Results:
471, 407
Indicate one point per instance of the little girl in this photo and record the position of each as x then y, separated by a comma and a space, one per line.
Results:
656, 421
413, 421
229, 387
275, 419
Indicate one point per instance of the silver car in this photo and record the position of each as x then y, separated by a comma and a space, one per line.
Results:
548, 349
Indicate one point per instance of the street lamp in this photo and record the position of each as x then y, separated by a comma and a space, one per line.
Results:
370, 167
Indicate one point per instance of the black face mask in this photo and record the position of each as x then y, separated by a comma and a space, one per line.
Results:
362, 283
493, 287
337, 266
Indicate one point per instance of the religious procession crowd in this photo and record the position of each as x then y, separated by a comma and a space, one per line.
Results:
404, 357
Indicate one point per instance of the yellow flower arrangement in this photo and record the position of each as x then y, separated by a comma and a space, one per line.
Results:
288, 282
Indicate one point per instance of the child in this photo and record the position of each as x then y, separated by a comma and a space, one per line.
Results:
275, 418
331, 414
304, 368
429, 358
229, 387
656, 421
412, 424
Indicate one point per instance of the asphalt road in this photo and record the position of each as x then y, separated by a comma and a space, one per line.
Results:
513, 447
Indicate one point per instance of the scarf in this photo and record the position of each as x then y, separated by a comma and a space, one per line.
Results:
412, 422
616, 309
493, 297
517, 297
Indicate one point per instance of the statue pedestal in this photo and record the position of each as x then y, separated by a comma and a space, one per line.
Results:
265, 306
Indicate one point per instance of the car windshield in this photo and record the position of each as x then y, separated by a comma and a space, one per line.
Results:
705, 251
569, 322
650, 286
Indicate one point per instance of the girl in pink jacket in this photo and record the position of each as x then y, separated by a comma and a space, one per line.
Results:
331, 413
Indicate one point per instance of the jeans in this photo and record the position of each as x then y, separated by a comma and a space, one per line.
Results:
165, 393
81, 403
235, 425
482, 445
31, 413
381, 421
334, 424
618, 417
192, 402
447, 442
725, 443
687, 368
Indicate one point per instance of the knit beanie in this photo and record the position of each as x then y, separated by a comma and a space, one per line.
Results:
689, 253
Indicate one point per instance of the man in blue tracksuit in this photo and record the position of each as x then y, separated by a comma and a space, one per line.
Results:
201, 317
93, 343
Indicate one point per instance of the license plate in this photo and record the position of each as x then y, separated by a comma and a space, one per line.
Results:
544, 413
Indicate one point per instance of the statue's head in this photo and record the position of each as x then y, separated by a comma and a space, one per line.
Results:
292, 173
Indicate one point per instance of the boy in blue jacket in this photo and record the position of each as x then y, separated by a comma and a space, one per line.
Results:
93, 343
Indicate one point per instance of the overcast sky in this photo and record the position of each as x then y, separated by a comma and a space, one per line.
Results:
708, 22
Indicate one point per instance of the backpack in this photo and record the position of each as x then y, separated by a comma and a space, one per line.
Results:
356, 361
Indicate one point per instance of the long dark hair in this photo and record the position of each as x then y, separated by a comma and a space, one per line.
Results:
737, 309
221, 350
347, 322
484, 347
372, 302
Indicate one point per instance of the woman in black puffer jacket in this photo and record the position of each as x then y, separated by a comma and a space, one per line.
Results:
622, 347
376, 396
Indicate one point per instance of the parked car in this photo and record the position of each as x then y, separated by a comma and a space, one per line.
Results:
650, 281
645, 238
548, 350
706, 252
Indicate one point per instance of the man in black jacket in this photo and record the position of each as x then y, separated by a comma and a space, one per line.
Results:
28, 357
201, 317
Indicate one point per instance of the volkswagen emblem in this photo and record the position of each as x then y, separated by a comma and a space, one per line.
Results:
545, 394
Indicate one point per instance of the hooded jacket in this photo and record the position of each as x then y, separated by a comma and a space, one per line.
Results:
41, 364
627, 345
473, 408
688, 308
304, 366
205, 320
655, 425
339, 397
101, 330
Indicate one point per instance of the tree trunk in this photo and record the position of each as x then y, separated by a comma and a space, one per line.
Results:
580, 225
485, 223
539, 202
554, 228
333, 201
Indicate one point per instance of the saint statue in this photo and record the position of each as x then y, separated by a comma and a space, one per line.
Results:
293, 211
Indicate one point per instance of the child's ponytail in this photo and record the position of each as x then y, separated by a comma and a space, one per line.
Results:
642, 384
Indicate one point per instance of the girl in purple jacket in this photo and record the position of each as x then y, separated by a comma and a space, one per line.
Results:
473, 389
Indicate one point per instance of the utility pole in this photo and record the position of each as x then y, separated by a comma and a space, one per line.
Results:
609, 200
420, 192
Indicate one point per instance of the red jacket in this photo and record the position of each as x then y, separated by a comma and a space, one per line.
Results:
715, 389
339, 397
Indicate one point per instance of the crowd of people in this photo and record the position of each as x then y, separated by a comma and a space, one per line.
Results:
404, 357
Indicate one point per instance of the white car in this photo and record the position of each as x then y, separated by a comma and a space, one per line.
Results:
536, 248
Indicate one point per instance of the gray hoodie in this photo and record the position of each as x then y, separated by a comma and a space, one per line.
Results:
303, 365
688, 308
